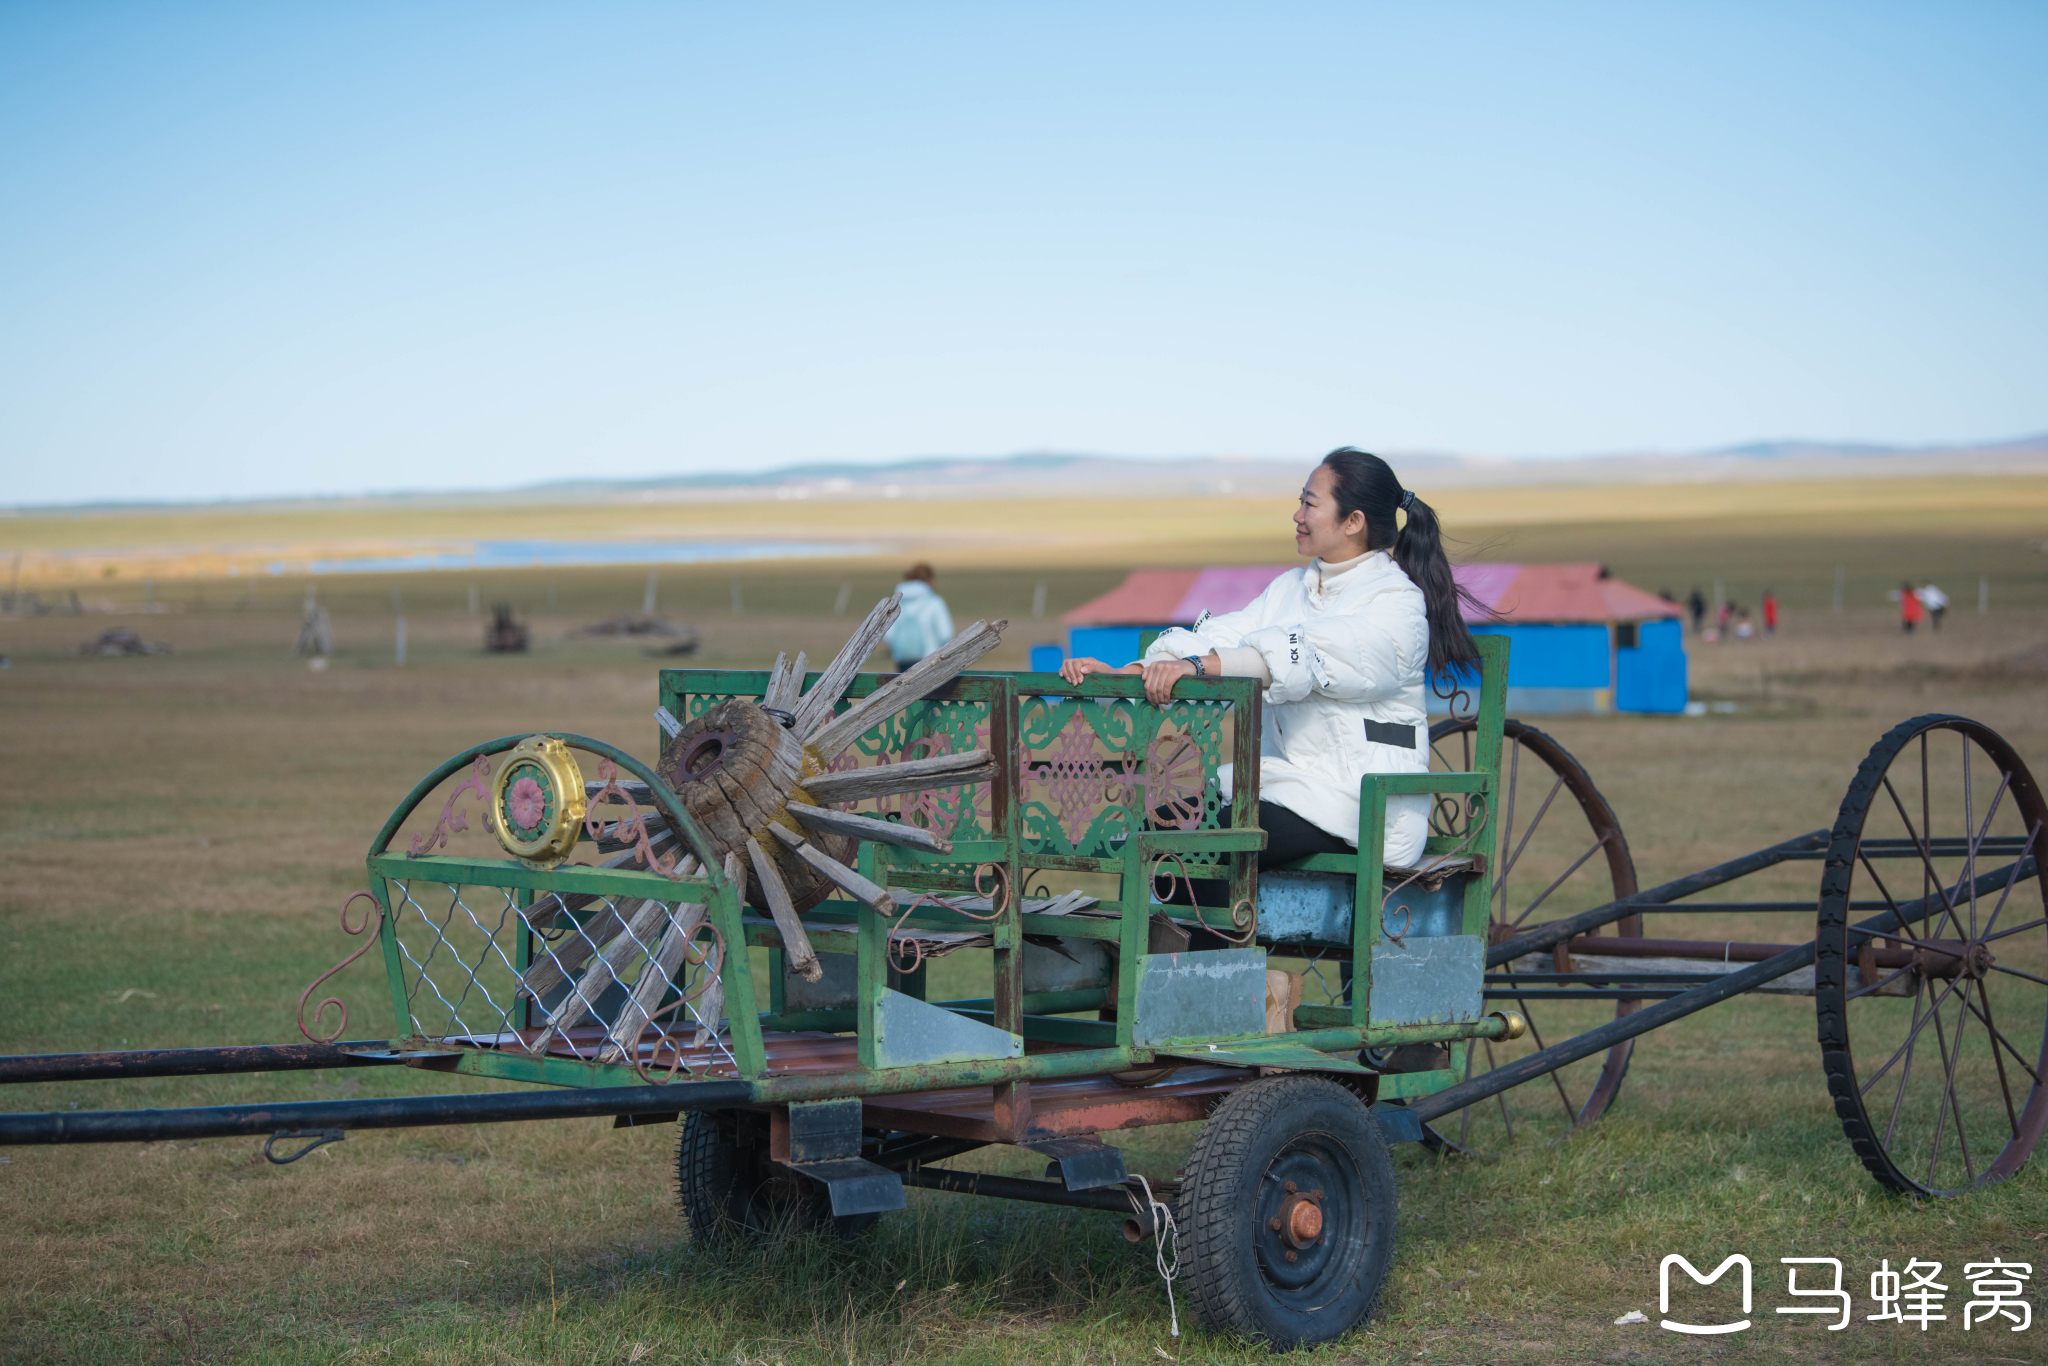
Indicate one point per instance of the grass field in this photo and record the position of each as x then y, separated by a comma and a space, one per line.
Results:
179, 831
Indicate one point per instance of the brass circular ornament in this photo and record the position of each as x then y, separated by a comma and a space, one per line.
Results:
538, 802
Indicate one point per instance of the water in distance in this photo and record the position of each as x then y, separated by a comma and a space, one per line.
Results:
529, 554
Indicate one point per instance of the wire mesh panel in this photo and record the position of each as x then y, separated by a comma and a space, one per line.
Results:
601, 979
594, 941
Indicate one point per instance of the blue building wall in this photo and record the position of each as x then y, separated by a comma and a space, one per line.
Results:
1552, 669
1554, 656
1115, 646
1652, 676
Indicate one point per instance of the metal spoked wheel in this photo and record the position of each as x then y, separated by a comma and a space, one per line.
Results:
1934, 1036
1559, 850
1286, 1217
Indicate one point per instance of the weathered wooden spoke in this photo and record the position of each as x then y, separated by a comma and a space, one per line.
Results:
1549, 844
740, 769
1939, 1090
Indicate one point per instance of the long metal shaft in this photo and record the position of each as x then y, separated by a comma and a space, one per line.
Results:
1685, 1003
1543, 936
192, 1062
1011, 1188
398, 1112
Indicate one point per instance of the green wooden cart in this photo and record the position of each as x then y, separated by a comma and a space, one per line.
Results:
1087, 994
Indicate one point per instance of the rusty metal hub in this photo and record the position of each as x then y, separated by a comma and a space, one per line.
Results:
1300, 1220
1953, 958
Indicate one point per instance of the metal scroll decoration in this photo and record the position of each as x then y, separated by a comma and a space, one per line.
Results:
479, 783
1244, 913
1449, 687
632, 827
1475, 820
907, 953
373, 919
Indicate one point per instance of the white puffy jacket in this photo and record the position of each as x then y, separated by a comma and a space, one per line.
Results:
1339, 653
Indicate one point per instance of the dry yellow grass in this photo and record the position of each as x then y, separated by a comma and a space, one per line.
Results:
1027, 532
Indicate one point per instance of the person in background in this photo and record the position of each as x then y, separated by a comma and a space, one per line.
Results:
1909, 608
1743, 629
924, 624
1936, 602
1698, 603
1770, 611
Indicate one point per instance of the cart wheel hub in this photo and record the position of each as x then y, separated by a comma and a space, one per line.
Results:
1953, 958
1301, 1220
702, 758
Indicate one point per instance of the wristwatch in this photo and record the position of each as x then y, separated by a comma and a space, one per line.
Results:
1196, 660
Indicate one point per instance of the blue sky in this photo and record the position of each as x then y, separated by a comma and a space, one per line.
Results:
263, 249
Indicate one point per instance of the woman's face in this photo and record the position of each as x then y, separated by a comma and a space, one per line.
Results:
1318, 530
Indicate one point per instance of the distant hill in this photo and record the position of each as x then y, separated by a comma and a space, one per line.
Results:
1039, 474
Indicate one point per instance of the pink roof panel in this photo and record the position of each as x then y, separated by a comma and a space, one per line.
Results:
1148, 597
1510, 592
1574, 593
1486, 582
1217, 591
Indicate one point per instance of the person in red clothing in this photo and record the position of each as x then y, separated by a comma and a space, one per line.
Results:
1770, 612
1909, 608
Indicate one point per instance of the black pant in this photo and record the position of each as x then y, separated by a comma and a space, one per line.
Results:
1288, 837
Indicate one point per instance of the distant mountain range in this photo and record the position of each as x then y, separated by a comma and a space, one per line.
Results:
1039, 474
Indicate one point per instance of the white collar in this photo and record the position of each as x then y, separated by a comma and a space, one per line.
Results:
1327, 578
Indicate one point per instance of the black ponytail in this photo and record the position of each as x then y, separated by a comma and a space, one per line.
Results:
1364, 483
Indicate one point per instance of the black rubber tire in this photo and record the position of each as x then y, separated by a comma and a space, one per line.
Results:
1312, 1131
730, 1191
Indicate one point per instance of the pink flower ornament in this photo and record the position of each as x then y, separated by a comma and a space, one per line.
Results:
527, 803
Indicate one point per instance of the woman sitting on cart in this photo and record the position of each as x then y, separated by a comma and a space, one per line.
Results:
1344, 648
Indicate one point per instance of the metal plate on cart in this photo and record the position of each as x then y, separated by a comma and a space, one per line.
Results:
1428, 980
1083, 1163
1076, 965
1315, 908
831, 992
856, 1185
1214, 994
909, 1031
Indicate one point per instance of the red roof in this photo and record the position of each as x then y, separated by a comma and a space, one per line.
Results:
1510, 592
1559, 592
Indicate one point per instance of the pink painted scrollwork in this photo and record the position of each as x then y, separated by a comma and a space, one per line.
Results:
452, 820
631, 827
373, 920
1174, 781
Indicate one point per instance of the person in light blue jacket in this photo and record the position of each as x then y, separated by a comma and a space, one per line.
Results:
924, 623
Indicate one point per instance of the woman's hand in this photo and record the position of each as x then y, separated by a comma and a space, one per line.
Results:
1080, 666
1160, 678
